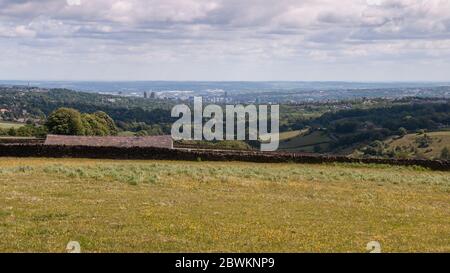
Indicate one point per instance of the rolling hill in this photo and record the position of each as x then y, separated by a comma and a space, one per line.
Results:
412, 146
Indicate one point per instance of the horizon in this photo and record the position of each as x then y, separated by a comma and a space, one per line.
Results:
229, 81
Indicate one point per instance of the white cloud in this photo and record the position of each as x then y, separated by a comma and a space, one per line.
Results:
74, 2
24, 31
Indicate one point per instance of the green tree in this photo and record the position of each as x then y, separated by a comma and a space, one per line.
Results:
86, 121
31, 130
317, 148
346, 127
402, 131
25, 131
445, 154
93, 126
12, 131
98, 124
107, 122
375, 148
65, 121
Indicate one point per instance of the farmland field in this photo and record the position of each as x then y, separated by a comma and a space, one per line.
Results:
165, 206
8, 125
283, 135
305, 142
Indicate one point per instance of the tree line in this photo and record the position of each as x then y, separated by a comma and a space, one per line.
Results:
68, 121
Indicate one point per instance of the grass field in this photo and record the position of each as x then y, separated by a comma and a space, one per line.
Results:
126, 134
163, 206
283, 135
7, 125
305, 142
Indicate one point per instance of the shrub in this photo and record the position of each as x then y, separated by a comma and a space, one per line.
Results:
424, 141
376, 148
445, 154
402, 132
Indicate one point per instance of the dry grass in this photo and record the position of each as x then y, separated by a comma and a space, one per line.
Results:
439, 140
283, 135
161, 206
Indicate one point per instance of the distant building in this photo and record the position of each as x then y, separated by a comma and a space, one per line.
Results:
110, 141
145, 95
153, 95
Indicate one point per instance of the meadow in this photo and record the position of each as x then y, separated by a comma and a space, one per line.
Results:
305, 142
8, 125
166, 206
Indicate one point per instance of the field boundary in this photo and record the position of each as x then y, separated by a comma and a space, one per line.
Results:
21, 140
153, 153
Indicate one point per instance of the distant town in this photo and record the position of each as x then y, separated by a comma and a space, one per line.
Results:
247, 92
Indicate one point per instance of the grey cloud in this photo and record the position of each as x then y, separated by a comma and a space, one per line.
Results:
395, 17
272, 31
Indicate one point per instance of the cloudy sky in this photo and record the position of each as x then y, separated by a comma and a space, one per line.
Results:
358, 40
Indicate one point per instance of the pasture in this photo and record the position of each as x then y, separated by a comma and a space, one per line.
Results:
165, 206
305, 142
8, 125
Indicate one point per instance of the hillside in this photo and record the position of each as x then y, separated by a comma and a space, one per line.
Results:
331, 127
163, 206
411, 146
130, 113
343, 131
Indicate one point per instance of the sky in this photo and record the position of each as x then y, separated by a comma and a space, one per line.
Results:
221, 40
